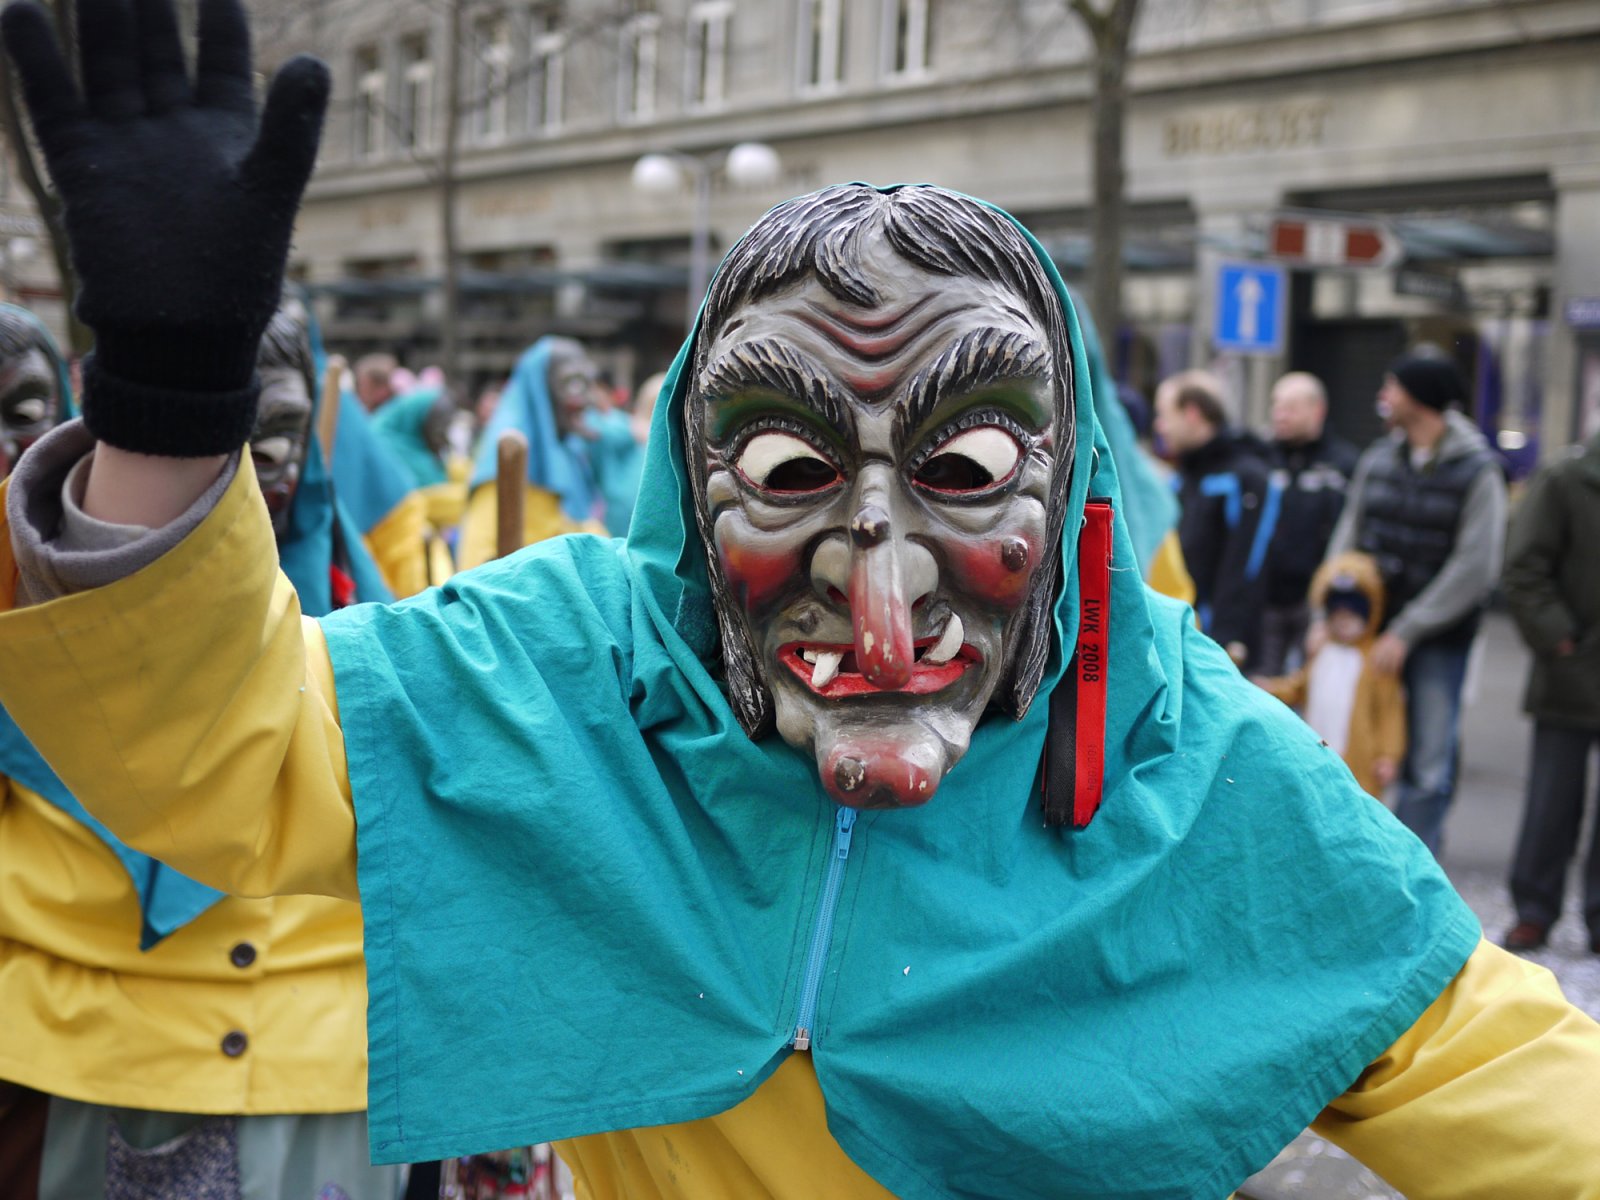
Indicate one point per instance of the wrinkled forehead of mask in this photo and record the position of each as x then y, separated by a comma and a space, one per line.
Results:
846, 238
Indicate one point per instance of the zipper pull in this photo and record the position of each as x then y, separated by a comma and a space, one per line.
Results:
846, 823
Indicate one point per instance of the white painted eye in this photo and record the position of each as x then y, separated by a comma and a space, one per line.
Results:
274, 450
30, 411
971, 461
781, 462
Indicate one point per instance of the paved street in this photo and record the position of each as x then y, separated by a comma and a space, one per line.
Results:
1478, 843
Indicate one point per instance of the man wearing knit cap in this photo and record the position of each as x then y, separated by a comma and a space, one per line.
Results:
1429, 503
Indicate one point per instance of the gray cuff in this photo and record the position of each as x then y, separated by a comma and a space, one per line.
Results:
59, 548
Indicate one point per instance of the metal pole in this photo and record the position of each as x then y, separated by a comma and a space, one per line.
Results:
700, 236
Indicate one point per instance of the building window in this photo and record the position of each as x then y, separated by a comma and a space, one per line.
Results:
369, 102
636, 66
546, 70
491, 76
907, 37
707, 59
416, 93
821, 44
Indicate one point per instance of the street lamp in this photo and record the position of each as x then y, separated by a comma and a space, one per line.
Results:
664, 173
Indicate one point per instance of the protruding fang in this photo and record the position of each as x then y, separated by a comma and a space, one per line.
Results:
949, 642
809, 655
827, 667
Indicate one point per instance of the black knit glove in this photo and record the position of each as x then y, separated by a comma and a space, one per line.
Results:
179, 205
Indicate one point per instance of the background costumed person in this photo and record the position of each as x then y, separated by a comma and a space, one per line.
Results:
574, 460
158, 1034
850, 959
1148, 505
35, 385
377, 493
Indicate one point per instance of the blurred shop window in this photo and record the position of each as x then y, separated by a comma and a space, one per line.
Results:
638, 45
369, 102
707, 60
821, 44
546, 70
491, 75
908, 29
416, 93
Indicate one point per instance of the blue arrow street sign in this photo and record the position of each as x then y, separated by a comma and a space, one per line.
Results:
1249, 308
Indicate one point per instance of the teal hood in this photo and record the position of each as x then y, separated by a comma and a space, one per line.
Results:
589, 897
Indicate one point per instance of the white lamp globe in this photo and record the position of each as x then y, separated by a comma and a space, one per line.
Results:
753, 165
657, 175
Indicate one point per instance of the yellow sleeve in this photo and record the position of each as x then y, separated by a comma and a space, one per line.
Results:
1494, 1093
399, 546
541, 518
1168, 573
191, 708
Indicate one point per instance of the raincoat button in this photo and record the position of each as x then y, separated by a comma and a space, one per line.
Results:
242, 955
234, 1043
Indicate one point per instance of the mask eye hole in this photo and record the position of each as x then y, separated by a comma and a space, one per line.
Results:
783, 463
974, 461
272, 451
30, 411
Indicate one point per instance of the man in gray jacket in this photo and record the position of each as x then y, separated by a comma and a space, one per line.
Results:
1429, 503
1552, 583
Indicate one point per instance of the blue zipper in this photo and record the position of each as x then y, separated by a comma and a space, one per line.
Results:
817, 958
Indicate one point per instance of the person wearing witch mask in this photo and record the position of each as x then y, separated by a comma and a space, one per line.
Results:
35, 391
581, 459
859, 825
159, 1035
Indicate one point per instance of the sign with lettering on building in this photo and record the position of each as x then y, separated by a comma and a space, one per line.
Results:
1249, 307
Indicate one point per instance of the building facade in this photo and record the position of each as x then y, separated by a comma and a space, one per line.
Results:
1470, 129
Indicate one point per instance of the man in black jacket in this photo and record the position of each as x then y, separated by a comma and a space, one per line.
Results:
1222, 486
1310, 471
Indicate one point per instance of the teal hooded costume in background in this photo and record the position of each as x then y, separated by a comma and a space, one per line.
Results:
1148, 505
399, 425
594, 478
169, 900
1151, 1006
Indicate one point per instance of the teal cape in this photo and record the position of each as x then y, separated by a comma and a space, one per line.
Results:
168, 899
589, 477
399, 425
588, 895
370, 484
366, 478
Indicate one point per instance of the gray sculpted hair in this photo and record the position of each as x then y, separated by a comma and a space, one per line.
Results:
823, 236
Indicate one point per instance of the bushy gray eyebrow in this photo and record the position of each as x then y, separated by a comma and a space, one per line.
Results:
978, 358
770, 363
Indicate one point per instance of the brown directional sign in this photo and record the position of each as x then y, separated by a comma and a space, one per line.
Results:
1306, 241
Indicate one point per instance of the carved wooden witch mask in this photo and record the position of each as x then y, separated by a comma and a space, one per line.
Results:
33, 396
880, 423
282, 433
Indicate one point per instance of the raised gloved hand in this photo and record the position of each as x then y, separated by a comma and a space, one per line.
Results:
179, 204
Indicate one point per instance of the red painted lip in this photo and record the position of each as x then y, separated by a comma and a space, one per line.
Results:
850, 682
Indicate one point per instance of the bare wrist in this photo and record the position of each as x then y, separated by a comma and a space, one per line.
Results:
127, 488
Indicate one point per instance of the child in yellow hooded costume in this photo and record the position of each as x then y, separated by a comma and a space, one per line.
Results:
1358, 710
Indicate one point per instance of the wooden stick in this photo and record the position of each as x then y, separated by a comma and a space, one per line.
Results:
511, 480
328, 415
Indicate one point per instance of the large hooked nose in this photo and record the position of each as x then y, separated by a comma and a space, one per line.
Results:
883, 573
